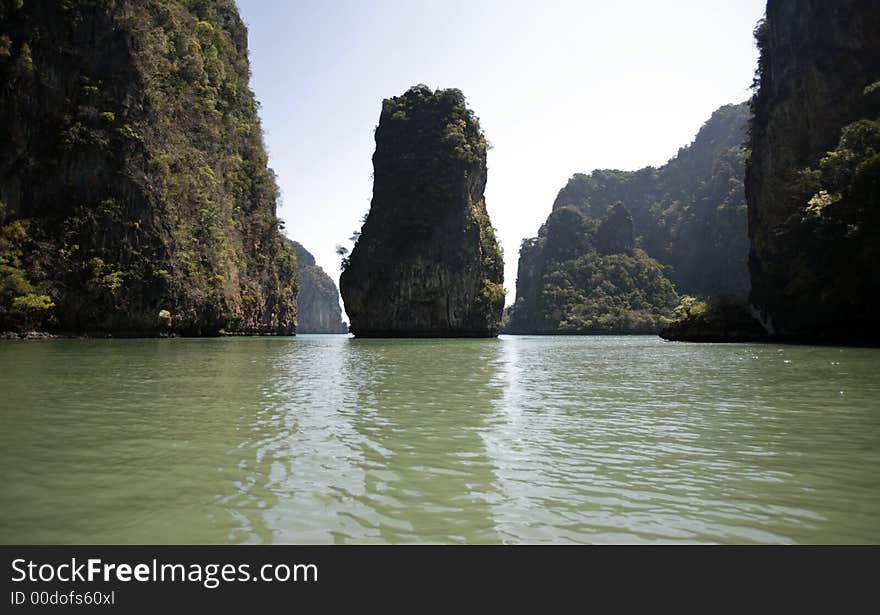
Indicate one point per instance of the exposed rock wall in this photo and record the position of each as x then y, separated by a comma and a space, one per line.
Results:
426, 263
318, 298
133, 178
814, 237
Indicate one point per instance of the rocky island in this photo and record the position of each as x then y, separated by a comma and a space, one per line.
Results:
135, 196
426, 263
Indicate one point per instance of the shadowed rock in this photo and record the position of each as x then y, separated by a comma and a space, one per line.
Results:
426, 263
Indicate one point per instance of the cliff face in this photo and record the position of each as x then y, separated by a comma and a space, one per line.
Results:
606, 259
426, 262
136, 197
813, 175
318, 299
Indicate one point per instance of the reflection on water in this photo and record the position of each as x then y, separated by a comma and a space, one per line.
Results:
521, 439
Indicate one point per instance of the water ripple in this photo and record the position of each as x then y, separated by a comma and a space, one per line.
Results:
521, 439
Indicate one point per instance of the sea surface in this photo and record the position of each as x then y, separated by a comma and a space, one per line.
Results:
331, 439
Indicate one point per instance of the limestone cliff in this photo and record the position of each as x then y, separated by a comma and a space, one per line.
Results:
135, 196
813, 178
426, 262
318, 298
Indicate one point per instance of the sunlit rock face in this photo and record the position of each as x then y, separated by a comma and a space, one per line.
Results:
318, 298
813, 177
426, 263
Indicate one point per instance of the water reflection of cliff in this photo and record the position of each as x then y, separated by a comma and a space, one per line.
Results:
422, 407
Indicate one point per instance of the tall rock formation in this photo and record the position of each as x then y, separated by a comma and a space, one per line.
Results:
318, 298
135, 195
813, 178
426, 263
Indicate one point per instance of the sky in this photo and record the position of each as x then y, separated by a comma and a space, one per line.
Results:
560, 87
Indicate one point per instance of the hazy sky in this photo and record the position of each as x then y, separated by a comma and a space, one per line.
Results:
559, 87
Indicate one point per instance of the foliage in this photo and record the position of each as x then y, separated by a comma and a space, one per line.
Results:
151, 190
725, 320
490, 301
456, 125
616, 293
840, 223
846, 179
22, 306
569, 285
689, 215
690, 307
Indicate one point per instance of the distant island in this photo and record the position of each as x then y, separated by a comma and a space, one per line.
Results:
318, 298
619, 247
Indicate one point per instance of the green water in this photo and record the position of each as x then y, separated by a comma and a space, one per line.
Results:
327, 439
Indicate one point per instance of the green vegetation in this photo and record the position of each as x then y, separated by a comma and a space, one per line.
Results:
813, 176
426, 261
490, 300
616, 242
616, 293
587, 278
723, 321
844, 181
689, 214
151, 189
22, 305
691, 307
449, 121
840, 223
